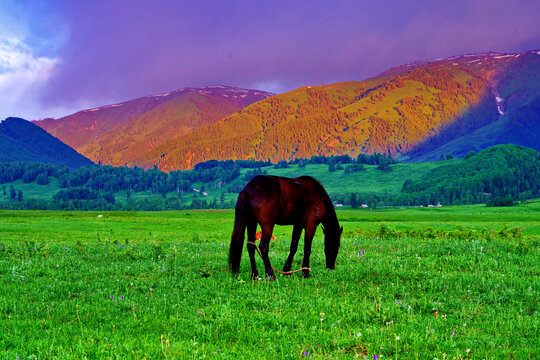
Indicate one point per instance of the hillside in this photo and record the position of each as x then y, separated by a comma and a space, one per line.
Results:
517, 89
417, 112
122, 134
20, 140
495, 172
410, 110
499, 171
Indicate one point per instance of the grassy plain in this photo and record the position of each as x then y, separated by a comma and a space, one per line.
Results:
451, 282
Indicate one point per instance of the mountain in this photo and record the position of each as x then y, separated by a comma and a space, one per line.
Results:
412, 110
416, 111
20, 140
124, 133
516, 88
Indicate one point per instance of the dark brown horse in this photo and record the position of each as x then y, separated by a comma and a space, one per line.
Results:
271, 200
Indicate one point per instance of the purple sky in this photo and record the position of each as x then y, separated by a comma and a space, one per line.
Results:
58, 57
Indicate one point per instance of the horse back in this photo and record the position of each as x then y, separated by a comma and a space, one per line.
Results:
284, 201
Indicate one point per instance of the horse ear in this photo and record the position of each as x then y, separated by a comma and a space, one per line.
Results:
323, 230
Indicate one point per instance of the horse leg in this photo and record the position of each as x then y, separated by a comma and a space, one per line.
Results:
297, 231
308, 239
264, 246
251, 229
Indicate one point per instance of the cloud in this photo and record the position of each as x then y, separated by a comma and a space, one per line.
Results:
82, 54
22, 77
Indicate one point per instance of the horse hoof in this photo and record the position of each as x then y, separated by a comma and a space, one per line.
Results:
271, 277
255, 277
306, 274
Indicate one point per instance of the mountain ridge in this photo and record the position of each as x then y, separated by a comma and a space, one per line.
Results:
407, 111
116, 133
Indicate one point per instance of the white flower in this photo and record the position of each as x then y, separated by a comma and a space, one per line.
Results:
397, 337
359, 334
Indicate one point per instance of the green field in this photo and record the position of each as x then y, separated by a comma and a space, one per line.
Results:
446, 283
369, 180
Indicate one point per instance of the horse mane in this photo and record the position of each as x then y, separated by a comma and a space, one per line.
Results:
330, 215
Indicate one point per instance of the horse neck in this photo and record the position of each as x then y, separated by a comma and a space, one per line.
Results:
330, 220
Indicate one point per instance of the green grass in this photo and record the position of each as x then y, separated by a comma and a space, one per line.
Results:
411, 283
368, 180
32, 190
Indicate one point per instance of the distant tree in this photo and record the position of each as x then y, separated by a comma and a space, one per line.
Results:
354, 201
195, 203
42, 179
354, 168
19, 195
372, 202
222, 200
501, 201
332, 167
449, 157
4, 189
470, 154
384, 167
109, 197
12, 193
441, 157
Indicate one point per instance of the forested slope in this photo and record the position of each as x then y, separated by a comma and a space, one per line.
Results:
20, 140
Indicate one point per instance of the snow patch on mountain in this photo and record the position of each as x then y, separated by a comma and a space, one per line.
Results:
104, 107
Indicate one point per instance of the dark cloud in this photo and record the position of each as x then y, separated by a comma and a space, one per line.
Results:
117, 50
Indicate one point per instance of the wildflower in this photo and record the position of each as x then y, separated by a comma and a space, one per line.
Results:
122, 298
112, 297
306, 354
375, 357
468, 350
359, 334
397, 337
432, 330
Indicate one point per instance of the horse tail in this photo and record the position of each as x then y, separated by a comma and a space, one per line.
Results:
237, 239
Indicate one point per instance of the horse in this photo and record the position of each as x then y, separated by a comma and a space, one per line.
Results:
270, 200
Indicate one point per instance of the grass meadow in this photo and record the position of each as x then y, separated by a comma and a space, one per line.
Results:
422, 283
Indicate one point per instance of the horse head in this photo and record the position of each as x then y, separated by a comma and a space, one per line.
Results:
332, 241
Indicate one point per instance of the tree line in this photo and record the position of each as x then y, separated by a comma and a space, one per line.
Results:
492, 176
